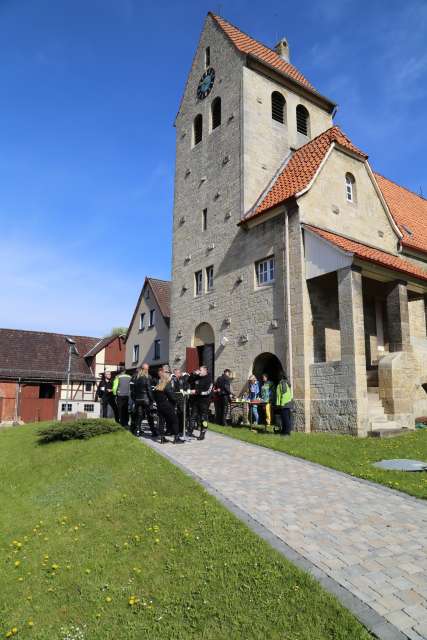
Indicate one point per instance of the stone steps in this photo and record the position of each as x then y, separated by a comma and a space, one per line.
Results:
381, 426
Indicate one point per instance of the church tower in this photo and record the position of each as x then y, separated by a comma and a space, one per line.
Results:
245, 108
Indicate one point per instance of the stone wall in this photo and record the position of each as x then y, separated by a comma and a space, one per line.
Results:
323, 292
333, 405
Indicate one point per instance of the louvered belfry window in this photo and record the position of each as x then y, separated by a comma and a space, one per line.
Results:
302, 120
198, 128
278, 107
216, 113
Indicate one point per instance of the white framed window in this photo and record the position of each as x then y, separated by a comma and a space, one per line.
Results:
135, 355
65, 407
209, 278
265, 271
152, 317
88, 408
198, 283
350, 187
141, 321
156, 349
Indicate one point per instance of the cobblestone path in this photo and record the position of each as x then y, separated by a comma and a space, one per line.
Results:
370, 540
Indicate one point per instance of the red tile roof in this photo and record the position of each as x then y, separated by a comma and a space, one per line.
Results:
101, 344
409, 211
302, 167
376, 256
246, 44
39, 355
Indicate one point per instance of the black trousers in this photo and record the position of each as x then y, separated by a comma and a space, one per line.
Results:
199, 412
109, 400
221, 406
286, 417
123, 410
142, 410
167, 412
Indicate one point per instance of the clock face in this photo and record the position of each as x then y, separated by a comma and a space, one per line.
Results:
206, 83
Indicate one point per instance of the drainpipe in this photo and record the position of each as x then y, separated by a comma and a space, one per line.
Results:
287, 292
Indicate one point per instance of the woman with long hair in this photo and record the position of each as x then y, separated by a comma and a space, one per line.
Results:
165, 400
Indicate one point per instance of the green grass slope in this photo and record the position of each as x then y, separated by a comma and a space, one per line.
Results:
104, 539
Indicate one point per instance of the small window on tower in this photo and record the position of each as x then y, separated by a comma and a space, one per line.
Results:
207, 57
216, 113
209, 278
204, 219
350, 187
197, 129
198, 283
303, 120
278, 107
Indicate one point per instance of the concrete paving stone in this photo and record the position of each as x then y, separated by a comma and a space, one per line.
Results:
368, 539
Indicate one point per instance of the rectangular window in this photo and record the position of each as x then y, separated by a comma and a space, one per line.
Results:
207, 57
265, 271
209, 278
198, 283
135, 356
152, 317
88, 386
88, 408
156, 349
147, 293
141, 321
65, 407
204, 219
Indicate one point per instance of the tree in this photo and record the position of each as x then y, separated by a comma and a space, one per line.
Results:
118, 331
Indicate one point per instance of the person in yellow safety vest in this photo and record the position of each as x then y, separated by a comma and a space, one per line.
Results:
284, 398
121, 386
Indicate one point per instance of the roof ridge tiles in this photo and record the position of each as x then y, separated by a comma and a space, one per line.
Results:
50, 333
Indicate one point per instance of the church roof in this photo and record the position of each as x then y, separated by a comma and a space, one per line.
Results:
250, 46
301, 168
409, 211
370, 254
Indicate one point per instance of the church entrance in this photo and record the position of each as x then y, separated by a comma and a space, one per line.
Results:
267, 363
203, 350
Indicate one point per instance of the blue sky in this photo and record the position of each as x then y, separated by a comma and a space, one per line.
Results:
89, 91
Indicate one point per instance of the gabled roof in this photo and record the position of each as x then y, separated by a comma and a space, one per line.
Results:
409, 211
364, 252
161, 290
249, 46
42, 356
101, 344
301, 168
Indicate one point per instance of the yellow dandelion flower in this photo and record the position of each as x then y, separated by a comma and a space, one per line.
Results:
14, 631
17, 563
21, 579
87, 570
108, 599
55, 567
8, 634
30, 623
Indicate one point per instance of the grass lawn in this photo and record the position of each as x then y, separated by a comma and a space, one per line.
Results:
104, 539
349, 454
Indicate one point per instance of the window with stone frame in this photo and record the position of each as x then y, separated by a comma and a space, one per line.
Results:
278, 104
265, 271
209, 278
303, 120
350, 187
216, 113
198, 283
197, 129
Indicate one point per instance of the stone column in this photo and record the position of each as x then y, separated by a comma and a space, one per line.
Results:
398, 317
353, 356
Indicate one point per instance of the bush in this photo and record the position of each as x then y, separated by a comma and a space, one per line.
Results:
81, 429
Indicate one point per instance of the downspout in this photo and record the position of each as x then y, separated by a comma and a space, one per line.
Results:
287, 292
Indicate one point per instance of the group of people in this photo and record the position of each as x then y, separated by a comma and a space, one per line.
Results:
159, 401
263, 399
178, 402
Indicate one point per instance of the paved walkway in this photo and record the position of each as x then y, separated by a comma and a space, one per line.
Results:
369, 540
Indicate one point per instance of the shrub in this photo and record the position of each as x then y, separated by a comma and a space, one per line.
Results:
81, 429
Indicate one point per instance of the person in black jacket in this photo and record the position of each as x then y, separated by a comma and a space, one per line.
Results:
223, 397
141, 392
104, 393
201, 389
165, 400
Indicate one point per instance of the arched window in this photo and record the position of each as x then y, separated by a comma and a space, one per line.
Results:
278, 107
303, 120
350, 187
197, 129
216, 113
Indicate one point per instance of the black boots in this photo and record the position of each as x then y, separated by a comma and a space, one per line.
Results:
178, 440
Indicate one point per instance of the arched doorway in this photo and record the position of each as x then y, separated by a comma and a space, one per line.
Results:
203, 349
267, 363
